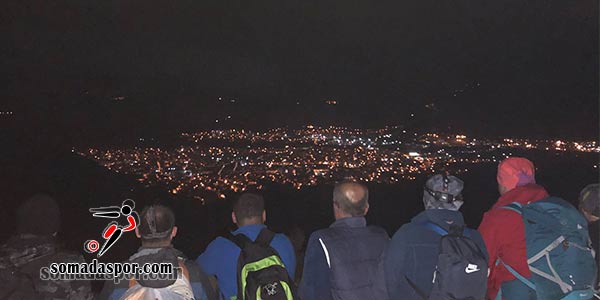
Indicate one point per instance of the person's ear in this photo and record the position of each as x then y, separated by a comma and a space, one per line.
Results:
589, 217
264, 216
174, 232
233, 218
502, 189
366, 209
337, 214
137, 233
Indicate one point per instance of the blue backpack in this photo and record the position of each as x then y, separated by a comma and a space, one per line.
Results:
559, 252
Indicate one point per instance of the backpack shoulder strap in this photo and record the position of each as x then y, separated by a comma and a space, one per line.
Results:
515, 206
516, 274
240, 239
265, 237
435, 228
458, 230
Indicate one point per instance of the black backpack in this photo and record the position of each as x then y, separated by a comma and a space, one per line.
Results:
462, 269
261, 274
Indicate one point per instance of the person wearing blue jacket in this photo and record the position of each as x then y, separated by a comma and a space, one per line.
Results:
412, 254
220, 258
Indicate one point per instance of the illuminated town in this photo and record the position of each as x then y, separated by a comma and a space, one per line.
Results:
222, 161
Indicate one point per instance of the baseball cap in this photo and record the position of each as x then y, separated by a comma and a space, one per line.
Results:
157, 222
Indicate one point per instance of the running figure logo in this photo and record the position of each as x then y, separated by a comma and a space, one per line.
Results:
271, 288
113, 230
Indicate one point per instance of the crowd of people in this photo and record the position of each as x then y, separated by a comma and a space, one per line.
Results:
528, 246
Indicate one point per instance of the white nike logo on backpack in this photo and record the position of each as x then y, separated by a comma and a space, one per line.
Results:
471, 268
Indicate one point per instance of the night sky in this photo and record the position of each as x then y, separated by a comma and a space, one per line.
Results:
503, 67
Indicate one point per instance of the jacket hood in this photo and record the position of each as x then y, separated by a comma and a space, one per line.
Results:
442, 217
157, 255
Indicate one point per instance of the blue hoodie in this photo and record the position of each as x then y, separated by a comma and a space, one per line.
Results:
413, 253
221, 257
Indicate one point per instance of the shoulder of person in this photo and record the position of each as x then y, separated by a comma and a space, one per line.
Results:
319, 233
221, 241
377, 230
405, 230
281, 237
314, 237
501, 213
473, 233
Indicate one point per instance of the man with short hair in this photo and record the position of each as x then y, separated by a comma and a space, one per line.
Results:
504, 232
33, 247
345, 260
157, 230
220, 258
412, 255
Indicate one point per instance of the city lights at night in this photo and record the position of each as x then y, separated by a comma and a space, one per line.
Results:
309, 156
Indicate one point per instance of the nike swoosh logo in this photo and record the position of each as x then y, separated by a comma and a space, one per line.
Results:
472, 268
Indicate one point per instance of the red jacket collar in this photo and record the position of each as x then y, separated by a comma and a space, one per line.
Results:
522, 194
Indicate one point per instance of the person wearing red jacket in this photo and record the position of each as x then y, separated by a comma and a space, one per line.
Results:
503, 230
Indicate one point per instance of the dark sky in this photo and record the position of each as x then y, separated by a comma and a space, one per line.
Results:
503, 67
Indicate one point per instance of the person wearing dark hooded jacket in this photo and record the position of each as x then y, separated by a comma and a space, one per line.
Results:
33, 247
156, 230
412, 254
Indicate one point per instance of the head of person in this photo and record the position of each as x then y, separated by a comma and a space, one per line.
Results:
350, 199
249, 209
514, 172
38, 215
589, 202
443, 191
157, 226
